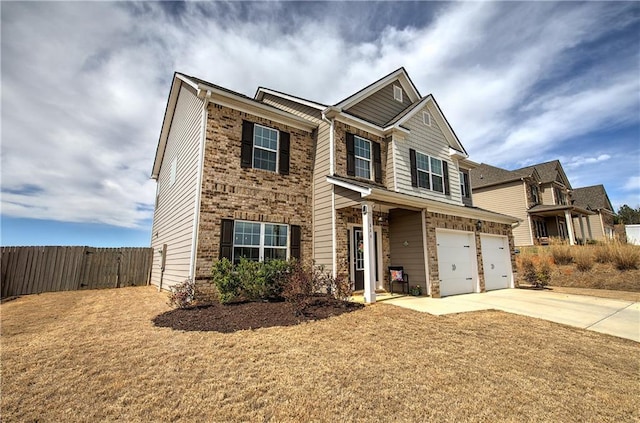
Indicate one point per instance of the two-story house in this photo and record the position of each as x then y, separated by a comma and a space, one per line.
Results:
540, 195
375, 180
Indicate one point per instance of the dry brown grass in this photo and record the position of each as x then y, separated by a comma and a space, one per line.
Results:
95, 356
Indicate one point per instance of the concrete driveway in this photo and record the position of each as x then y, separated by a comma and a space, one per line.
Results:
613, 317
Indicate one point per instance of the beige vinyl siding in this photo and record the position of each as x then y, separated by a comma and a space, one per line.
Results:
597, 230
508, 199
292, 107
380, 107
346, 198
406, 225
431, 141
546, 194
174, 213
322, 201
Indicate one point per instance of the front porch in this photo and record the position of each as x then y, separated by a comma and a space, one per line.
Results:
558, 222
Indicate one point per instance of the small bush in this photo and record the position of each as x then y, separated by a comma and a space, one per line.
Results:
528, 270
543, 274
226, 282
561, 254
626, 257
583, 259
183, 294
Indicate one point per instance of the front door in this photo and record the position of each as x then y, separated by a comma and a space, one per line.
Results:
357, 257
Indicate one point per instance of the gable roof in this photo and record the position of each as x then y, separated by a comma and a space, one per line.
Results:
485, 175
399, 74
592, 198
206, 91
550, 172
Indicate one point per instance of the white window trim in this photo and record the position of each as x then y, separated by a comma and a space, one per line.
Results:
397, 93
370, 159
261, 246
463, 188
430, 173
426, 118
277, 150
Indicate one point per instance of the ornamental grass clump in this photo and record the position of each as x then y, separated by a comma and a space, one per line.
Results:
583, 258
626, 257
561, 254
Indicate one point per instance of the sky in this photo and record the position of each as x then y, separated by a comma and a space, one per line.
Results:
84, 88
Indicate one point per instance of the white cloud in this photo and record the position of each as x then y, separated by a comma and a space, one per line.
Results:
82, 103
632, 184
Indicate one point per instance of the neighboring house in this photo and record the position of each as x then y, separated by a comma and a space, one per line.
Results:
595, 199
540, 195
378, 179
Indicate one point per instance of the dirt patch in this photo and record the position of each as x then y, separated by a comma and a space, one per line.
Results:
251, 315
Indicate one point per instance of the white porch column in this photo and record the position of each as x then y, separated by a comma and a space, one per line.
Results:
369, 253
567, 218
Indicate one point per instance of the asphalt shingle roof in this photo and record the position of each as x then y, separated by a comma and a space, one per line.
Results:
593, 197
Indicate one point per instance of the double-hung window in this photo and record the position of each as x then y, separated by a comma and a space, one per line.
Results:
362, 150
260, 241
535, 195
429, 172
265, 148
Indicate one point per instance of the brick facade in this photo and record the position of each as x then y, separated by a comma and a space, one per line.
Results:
232, 192
341, 131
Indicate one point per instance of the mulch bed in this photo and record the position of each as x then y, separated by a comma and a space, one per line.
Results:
252, 315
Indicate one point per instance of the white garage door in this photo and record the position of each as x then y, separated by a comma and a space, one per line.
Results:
496, 261
456, 262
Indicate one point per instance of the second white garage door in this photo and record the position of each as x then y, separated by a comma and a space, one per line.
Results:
456, 262
496, 261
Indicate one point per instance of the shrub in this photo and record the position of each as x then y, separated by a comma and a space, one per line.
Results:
561, 254
183, 294
543, 274
583, 258
528, 270
626, 257
226, 282
250, 280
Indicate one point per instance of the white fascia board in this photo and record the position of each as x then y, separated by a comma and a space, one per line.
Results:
402, 77
261, 91
360, 123
362, 190
227, 99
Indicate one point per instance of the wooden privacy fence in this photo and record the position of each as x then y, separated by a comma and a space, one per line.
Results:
31, 270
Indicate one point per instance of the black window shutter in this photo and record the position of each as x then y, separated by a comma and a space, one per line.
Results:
295, 242
445, 176
414, 167
467, 190
283, 165
246, 156
351, 155
377, 162
226, 239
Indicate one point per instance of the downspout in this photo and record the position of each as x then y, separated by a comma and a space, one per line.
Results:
196, 212
334, 253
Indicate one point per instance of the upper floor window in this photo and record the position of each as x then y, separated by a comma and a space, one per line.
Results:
561, 197
429, 172
364, 158
397, 93
464, 185
535, 195
264, 148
